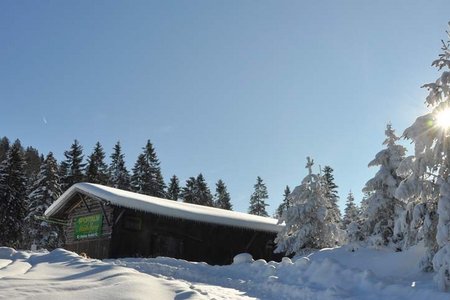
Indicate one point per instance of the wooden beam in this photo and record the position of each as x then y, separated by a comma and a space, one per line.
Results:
104, 213
85, 203
74, 205
119, 216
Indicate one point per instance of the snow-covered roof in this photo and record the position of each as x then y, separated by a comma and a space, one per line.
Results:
164, 207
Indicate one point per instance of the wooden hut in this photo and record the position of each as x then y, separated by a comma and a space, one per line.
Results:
105, 222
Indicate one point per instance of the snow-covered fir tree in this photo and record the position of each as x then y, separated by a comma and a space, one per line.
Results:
439, 98
408, 226
418, 222
173, 190
351, 211
420, 191
258, 199
305, 220
222, 197
382, 205
12, 196
45, 190
429, 170
73, 165
352, 221
284, 204
363, 205
333, 212
441, 260
63, 169
97, 169
118, 174
32, 163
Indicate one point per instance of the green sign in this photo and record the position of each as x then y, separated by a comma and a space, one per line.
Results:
88, 226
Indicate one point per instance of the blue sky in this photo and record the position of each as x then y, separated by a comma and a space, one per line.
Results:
232, 89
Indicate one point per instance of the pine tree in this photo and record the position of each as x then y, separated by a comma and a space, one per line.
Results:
157, 184
203, 193
439, 97
382, 205
173, 191
257, 199
32, 163
284, 204
4, 147
141, 177
196, 191
63, 169
74, 166
408, 228
45, 190
188, 193
352, 222
351, 212
12, 196
306, 226
333, 214
31, 167
119, 176
222, 197
428, 172
96, 169
147, 178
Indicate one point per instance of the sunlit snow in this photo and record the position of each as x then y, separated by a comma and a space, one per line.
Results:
443, 118
327, 274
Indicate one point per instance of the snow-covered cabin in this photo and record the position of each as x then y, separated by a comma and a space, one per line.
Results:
105, 222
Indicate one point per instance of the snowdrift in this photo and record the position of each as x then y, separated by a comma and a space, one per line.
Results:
61, 274
326, 274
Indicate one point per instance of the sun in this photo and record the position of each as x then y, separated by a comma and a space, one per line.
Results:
443, 118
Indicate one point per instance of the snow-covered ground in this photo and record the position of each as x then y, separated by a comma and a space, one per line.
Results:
327, 274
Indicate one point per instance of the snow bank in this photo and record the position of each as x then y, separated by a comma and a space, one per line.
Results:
61, 274
327, 274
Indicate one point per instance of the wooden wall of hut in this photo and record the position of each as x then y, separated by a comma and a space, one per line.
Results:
96, 247
141, 234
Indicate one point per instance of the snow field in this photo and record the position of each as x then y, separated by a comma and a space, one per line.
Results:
327, 274
61, 274
338, 273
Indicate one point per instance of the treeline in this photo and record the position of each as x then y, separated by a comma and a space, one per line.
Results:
30, 183
145, 176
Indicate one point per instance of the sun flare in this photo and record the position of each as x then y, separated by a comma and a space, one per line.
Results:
443, 118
